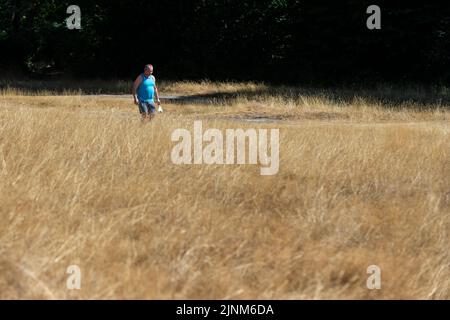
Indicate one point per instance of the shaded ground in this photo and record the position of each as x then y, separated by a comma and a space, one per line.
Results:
385, 95
420, 98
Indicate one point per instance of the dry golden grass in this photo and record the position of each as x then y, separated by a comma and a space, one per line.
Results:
206, 86
83, 181
71, 87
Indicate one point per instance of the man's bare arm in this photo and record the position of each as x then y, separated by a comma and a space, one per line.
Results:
157, 95
156, 92
136, 85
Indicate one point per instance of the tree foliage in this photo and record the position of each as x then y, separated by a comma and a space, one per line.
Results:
270, 40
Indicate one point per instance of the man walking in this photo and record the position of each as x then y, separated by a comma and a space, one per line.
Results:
145, 88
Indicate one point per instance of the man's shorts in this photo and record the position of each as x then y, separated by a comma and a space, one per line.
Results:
147, 107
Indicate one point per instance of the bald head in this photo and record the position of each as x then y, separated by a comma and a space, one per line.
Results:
148, 70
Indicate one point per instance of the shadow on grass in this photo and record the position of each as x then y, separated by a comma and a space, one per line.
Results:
412, 96
388, 97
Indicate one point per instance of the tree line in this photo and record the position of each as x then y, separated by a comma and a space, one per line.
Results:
270, 40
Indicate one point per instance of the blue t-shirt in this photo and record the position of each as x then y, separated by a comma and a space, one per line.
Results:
146, 89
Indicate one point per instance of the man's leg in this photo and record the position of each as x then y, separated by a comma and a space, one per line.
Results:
151, 110
143, 110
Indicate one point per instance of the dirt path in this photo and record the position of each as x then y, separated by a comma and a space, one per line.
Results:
259, 120
308, 119
171, 98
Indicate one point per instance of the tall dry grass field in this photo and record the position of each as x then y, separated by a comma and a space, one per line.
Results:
84, 182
